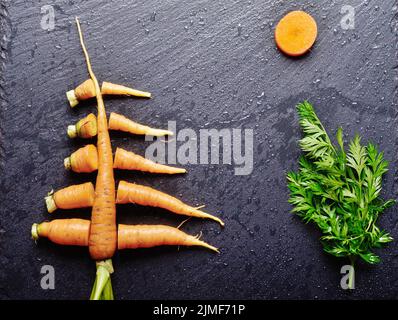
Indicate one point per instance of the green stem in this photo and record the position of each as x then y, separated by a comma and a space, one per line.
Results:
352, 274
102, 289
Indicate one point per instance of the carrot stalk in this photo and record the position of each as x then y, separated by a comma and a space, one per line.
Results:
117, 89
72, 197
84, 128
146, 196
121, 123
103, 232
102, 289
84, 159
86, 90
130, 161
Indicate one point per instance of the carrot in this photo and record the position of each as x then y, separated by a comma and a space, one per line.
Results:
148, 236
146, 196
86, 90
117, 89
103, 230
84, 128
72, 197
76, 232
296, 33
70, 232
83, 160
121, 123
130, 161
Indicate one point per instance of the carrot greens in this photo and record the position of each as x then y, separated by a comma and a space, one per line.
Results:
339, 190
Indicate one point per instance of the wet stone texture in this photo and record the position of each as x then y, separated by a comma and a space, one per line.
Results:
209, 64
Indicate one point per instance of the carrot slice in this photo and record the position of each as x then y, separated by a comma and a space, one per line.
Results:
296, 33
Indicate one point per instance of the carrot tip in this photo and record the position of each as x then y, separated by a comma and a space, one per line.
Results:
158, 132
35, 231
67, 163
50, 203
73, 102
208, 246
72, 131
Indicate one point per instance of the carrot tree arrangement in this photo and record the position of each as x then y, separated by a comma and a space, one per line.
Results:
101, 234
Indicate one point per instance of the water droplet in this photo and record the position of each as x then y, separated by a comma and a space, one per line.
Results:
239, 29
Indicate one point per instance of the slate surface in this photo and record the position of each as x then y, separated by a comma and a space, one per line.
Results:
209, 64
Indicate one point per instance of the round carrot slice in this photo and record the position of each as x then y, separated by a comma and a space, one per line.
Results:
296, 33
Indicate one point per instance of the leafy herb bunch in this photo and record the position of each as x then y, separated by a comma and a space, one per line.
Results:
339, 191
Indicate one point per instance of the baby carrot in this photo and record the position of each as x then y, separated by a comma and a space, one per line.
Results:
146, 196
86, 90
148, 236
84, 159
296, 33
121, 123
130, 161
117, 89
84, 128
103, 232
69, 232
72, 197
76, 232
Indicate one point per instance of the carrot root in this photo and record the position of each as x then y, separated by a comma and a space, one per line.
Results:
72, 197
127, 160
117, 89
83, 91
146, 196
122, 123
84, 159
84, 128
76, 232
148, 236
103, 229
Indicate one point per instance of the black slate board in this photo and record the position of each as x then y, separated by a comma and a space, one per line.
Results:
209, 64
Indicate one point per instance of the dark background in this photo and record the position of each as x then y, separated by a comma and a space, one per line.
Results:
207, 64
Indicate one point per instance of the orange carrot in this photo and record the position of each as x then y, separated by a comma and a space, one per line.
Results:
72, 197
121, 123
117, 89
84, 159
86, 90
76, 232
70, 232
130, 161
296, 33
148, 236
146, 196
84, 128
103, 230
